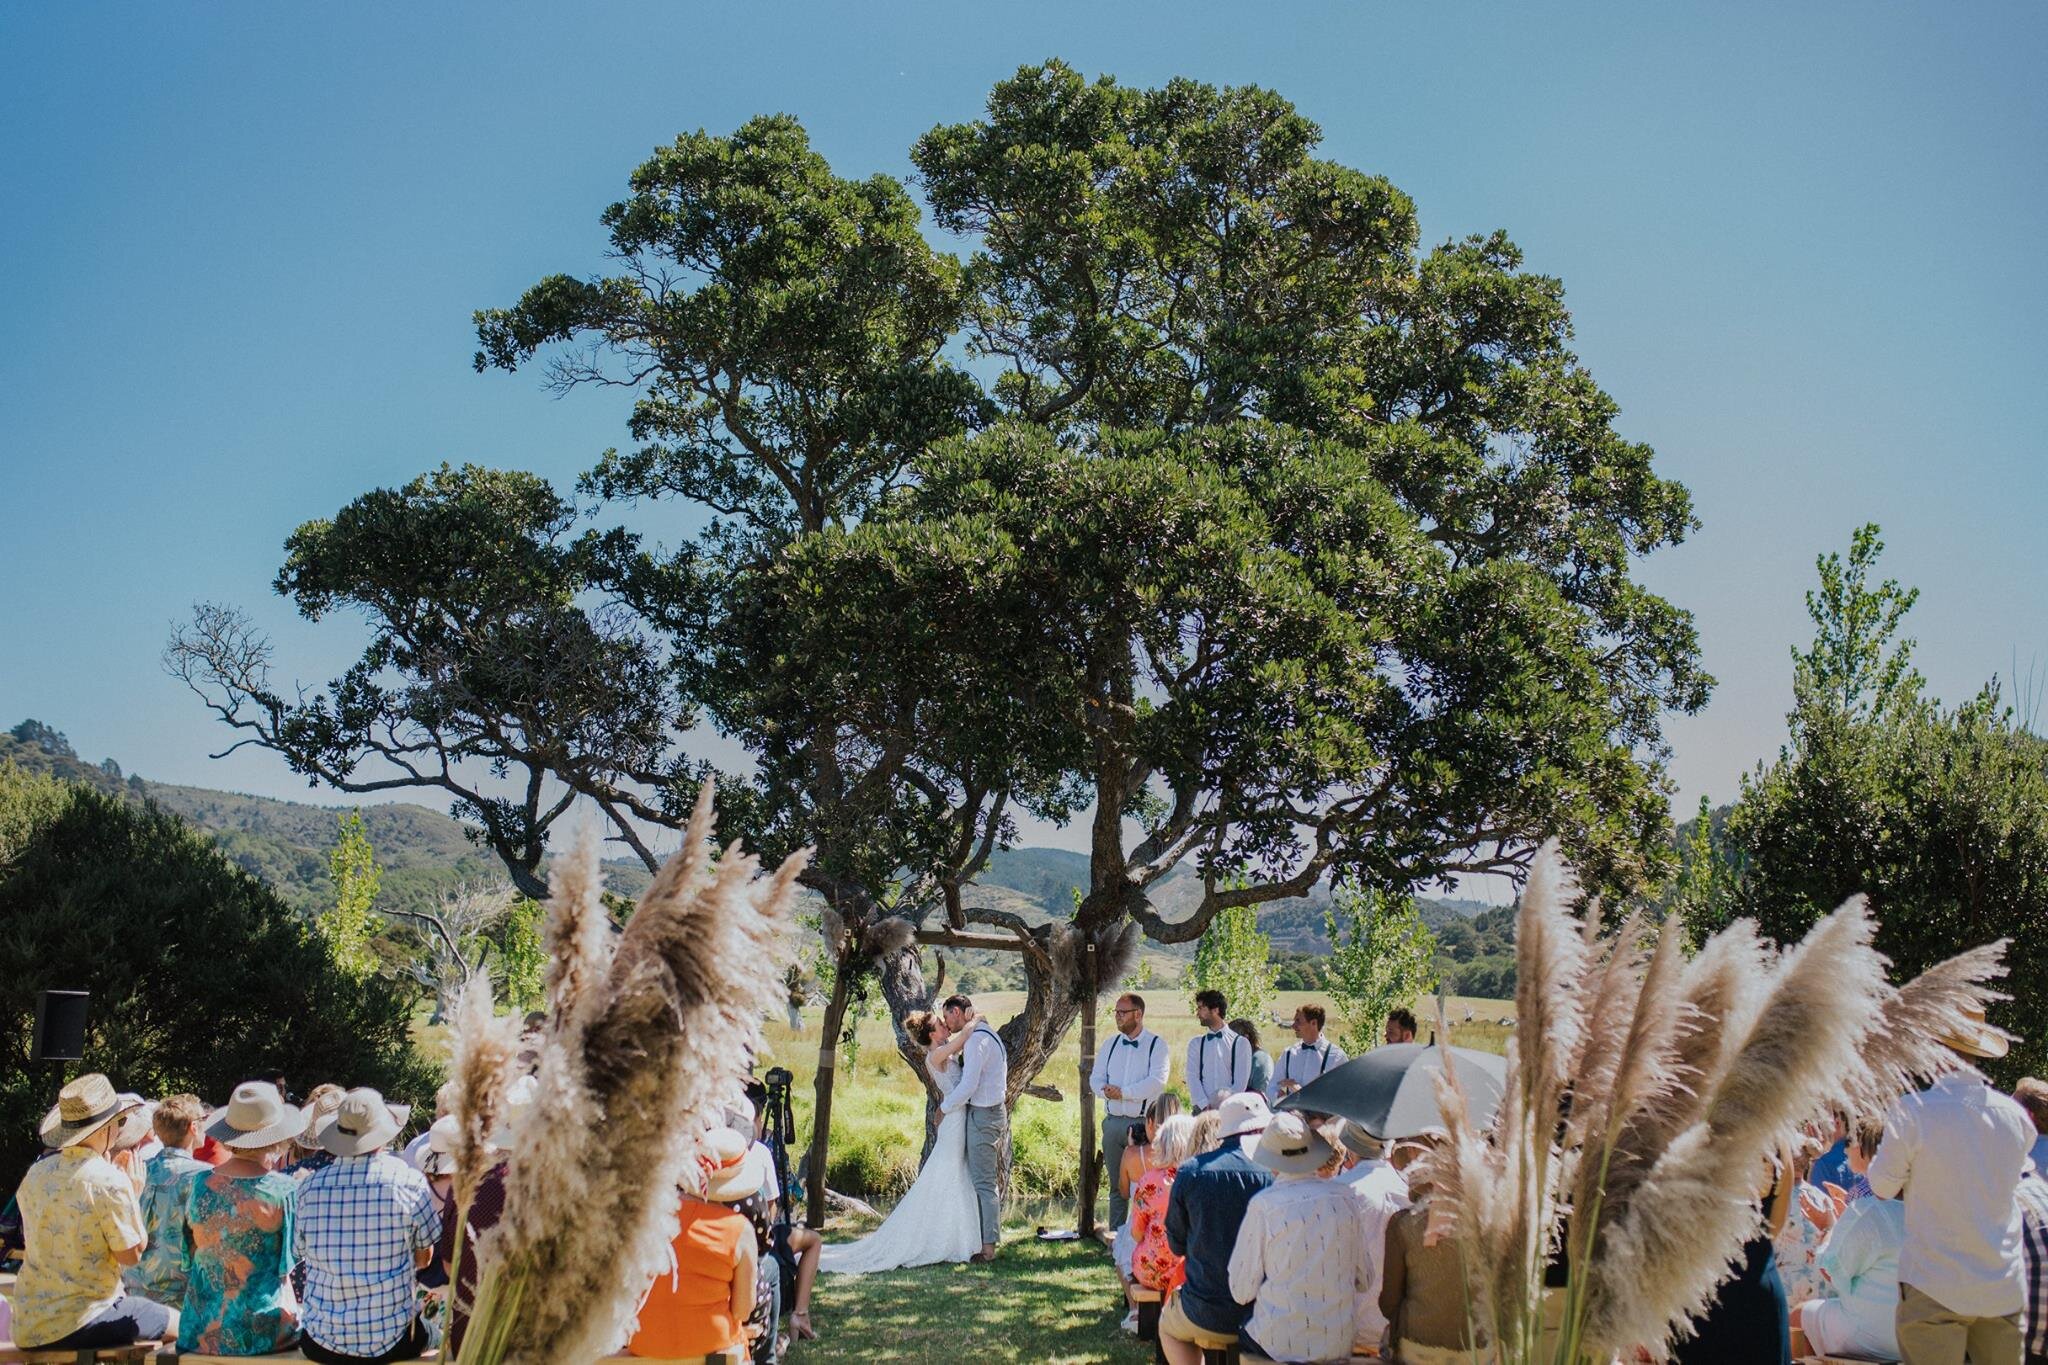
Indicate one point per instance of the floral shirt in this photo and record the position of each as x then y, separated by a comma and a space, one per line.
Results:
239, 1299
1153, 1263
77, 1211
1798, 1246
160, 1275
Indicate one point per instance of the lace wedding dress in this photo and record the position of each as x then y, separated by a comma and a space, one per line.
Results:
938, 1220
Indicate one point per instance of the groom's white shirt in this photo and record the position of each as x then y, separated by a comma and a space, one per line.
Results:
983, 1073
1136, 1066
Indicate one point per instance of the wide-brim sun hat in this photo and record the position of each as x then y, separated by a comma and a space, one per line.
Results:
137, 1125
439, 1158
1977, 1038
83, 1107
1290, 1147
1244, 1112
730, 1176
254, 1116
361, 1123
317, 1113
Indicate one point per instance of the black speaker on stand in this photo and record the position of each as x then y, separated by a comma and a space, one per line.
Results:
60, 1027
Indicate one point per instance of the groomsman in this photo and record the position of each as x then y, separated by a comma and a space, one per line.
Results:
1220, 1060
1129, 1073
1308, 1058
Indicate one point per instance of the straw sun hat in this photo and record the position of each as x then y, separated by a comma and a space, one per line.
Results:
83, 1107
1290, 1147
1977, 1038
255, 1116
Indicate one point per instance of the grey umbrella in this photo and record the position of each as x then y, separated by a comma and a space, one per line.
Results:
1391, 1091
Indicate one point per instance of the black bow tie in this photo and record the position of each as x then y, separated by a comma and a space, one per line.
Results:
1128, 1042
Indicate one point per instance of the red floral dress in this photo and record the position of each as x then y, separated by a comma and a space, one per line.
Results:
1153, 1264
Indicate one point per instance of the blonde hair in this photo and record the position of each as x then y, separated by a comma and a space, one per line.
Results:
1175, 1143
1208, 1133
176, 1116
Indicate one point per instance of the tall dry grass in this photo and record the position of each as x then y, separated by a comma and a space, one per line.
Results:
648, 1031
1645, 1095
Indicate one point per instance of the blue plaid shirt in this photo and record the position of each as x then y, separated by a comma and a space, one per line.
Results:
360, 1221
2033, 1201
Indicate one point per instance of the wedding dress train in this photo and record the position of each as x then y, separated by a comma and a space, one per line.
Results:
938, 1220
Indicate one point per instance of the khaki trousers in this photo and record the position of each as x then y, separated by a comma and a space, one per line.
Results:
1930, 1334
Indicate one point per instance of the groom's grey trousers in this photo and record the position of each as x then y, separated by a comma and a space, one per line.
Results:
1116, 1136
988, 1127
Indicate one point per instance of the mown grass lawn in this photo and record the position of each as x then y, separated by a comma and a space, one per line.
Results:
1055, 1302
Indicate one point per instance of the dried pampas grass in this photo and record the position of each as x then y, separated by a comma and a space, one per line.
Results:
1646, 1095
646, 1031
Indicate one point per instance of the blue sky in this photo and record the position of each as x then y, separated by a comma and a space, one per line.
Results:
242, 244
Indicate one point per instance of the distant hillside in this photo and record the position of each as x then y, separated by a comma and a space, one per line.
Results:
424, 851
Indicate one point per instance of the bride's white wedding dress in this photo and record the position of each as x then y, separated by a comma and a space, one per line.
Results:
938, 1220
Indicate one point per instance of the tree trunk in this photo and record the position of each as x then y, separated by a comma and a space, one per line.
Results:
1087, 1064
821, 1103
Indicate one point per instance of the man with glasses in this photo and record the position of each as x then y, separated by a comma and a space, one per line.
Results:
1129, 1073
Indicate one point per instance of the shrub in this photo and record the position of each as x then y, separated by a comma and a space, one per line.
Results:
200, 975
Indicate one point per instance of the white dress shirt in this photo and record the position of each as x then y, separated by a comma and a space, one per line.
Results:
1136, 1066
984, 1072
1955, 1152
1219, 1065
1302, 1064
1382, 1192
1301, 1261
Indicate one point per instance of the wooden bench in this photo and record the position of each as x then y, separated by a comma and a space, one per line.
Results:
11, 1354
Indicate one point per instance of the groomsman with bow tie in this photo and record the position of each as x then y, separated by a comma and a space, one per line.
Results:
1307, 1059
1219, 1061
1129, 1073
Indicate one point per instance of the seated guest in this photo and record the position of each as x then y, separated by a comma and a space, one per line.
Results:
160, 1275
1422, 1287
1137, 1160
1860, 1264
83, 1226
1262, 1061
1831, 1167
2032, 1093
1153, 1264
700, 1307
238, 1227
1797, 1241
795, 1249
307, 1154
1207, 1203
1382, 1191
486, 1207
1300, 1260
2032, 1198
366, 1224
415, 1153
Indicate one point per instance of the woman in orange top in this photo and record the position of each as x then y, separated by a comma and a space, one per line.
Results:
1153, 1263
700, 1308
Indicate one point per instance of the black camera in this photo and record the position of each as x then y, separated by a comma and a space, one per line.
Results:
779, 1078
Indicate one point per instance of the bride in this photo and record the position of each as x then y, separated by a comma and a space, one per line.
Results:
938, 1220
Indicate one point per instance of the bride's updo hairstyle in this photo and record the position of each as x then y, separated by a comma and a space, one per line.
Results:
918, 1024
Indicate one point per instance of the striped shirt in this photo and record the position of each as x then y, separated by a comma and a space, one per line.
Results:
360, 1222
2033, 1202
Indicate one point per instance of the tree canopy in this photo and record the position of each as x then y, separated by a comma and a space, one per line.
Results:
1199, 491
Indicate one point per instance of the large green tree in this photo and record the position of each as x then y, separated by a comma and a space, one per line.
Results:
1939, 814
1292, 548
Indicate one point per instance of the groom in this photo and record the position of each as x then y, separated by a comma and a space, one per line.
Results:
984, 1081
